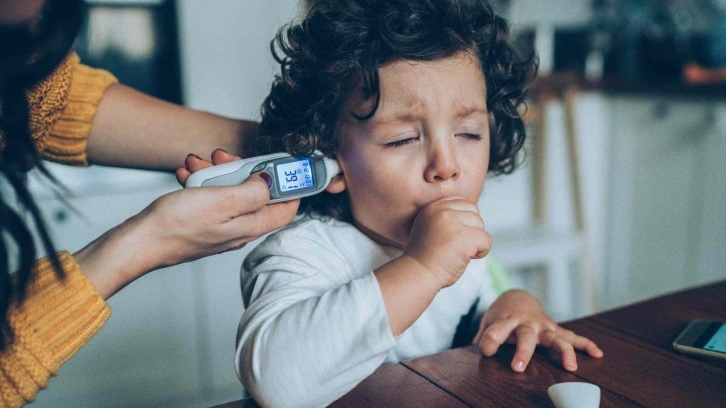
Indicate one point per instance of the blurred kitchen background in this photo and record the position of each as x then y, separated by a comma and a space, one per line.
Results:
621, 195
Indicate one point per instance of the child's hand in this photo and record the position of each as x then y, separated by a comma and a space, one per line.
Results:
445, 236
517, 317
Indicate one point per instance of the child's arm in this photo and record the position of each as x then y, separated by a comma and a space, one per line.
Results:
517, 317
447, 234
314, 328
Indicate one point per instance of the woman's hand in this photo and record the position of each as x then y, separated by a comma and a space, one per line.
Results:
182, 226
517, 317
194, 163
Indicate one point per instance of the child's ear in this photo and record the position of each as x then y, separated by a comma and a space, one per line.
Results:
337, 184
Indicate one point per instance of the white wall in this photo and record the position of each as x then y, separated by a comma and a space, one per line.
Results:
555, 12
226, 62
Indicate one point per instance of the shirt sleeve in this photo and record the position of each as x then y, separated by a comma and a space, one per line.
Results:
57, 317
306, 339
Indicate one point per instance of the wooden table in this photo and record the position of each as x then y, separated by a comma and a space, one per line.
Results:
639, 368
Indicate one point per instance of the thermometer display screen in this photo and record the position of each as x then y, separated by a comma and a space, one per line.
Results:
295, 175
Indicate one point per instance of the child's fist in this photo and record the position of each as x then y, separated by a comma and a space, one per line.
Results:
446, 235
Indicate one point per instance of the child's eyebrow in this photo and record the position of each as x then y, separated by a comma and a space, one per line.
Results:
466, 110
416, 113
403, 116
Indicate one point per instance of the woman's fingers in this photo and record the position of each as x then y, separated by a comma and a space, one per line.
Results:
267, 219
232, 202
220, 156
194, 163
182, 174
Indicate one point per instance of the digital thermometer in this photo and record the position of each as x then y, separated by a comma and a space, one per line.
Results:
291, 176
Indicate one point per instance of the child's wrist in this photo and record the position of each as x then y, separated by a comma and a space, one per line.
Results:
432, 279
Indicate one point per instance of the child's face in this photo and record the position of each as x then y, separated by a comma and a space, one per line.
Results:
429, 139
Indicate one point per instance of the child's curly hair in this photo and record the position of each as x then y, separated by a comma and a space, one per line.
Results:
343, 43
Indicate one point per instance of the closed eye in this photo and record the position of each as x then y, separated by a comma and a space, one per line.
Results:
399, 143
470, 136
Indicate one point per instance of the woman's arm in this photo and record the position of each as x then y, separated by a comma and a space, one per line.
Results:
182, 226
132, 129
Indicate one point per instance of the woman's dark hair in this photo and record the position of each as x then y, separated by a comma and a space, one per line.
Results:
342, 43
28, 53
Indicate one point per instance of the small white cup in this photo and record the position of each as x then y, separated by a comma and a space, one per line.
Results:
574, 395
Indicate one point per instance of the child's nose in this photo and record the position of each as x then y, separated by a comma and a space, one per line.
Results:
442, 165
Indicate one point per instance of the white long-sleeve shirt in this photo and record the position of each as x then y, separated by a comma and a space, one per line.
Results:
315, 324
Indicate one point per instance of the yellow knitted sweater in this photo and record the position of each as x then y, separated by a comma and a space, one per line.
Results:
58, 316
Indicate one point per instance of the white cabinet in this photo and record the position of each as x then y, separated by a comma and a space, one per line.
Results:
653, 185
666, 222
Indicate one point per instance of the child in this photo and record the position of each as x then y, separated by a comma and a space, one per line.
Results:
385, 264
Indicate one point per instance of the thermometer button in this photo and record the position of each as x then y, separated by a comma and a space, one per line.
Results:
258, 167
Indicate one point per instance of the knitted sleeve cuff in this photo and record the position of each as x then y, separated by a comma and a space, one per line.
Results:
62, 108
56, 319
